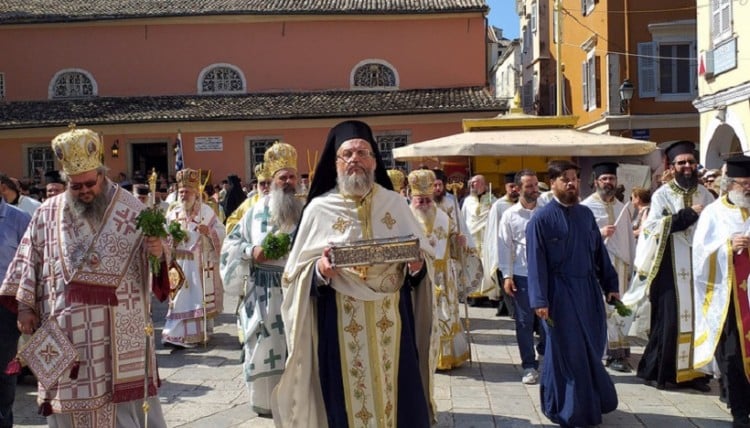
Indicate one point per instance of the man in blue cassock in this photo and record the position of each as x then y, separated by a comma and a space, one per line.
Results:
568, 269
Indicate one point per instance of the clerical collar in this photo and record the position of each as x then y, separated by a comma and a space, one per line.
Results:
677, 188
358, 198
597, 195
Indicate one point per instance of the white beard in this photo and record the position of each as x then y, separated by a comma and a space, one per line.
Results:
356, 184
426, 215
285, 208
739, 198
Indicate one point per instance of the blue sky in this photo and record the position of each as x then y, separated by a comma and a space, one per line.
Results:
503, 15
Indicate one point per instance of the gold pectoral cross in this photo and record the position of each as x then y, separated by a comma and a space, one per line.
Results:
362, 271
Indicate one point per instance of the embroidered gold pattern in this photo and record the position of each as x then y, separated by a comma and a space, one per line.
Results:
341, 225
384, 324
388, 220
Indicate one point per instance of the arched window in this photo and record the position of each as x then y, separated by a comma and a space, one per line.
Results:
374, 74
72, 83
221, 79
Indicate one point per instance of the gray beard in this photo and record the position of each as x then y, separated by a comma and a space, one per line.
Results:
606, 193
285, 208
739, 198
356, 184
92, 211
426, 215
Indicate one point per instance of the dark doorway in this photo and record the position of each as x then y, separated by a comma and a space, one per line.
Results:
147, 156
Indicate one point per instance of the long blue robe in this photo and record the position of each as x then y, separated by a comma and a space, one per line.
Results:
569, 268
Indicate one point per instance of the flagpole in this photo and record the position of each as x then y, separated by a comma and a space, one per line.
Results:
179, 154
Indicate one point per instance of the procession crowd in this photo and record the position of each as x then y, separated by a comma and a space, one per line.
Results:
351, 282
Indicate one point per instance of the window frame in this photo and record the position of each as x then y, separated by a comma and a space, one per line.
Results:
722, 34
212, 67
386, 147
63, 72
381, 62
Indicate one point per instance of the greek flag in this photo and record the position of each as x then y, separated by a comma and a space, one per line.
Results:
178, 162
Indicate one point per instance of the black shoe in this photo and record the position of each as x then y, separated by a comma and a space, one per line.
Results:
699, 385
741, 422
620, 365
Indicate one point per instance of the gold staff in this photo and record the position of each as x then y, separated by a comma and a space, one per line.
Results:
149, 329
205, 267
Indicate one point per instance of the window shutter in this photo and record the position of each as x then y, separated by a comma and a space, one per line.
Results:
597, 75
584, 80
715, 18
647, 70
726, 17
593, 83
613, 83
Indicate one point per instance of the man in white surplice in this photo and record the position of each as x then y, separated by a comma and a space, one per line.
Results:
664, 275
722, 304
351, 331
194, 306
615, 225
490, 248
243, 259
476, 211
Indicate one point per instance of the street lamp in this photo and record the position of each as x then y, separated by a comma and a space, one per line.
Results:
626, 94
116, 149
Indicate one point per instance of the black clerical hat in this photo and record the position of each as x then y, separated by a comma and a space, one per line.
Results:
738, 166
141, 189
53, 176
602, 168
440, 175
324, 178
681, 147
510, 177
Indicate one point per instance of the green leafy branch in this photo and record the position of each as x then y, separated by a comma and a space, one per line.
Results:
151, 222
276, 245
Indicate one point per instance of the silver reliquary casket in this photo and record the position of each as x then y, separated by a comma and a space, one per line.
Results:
375, 251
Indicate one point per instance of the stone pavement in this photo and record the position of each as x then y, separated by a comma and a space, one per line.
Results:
204, 387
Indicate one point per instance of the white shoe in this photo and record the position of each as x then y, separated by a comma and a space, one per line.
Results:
530, 376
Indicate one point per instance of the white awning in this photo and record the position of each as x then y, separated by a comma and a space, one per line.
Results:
525, 142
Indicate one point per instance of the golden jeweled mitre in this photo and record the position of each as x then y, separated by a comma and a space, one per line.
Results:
78, 150
421, 182
279, 156
190, 178
260, 172
397, 179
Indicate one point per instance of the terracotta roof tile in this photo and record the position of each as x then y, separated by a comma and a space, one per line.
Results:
42, 11
288, 105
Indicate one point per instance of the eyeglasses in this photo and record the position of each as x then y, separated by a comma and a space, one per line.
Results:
348, 155
87, 184
685, 162
744, 183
